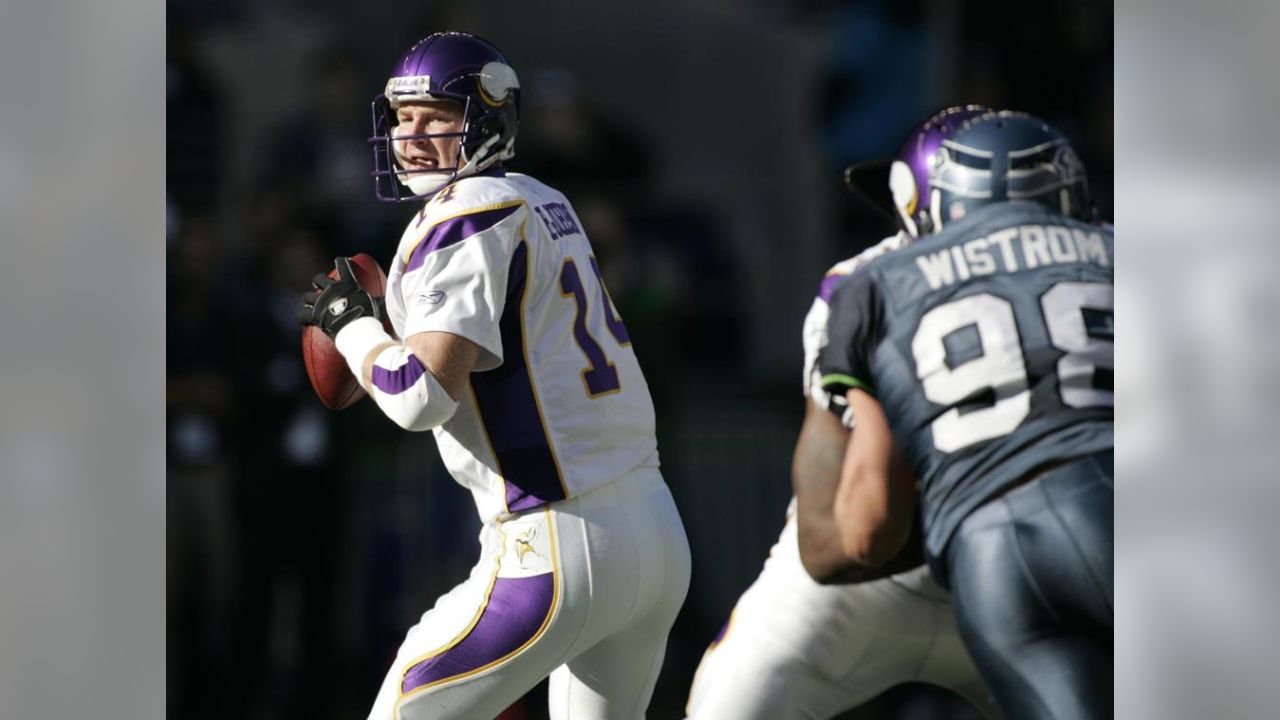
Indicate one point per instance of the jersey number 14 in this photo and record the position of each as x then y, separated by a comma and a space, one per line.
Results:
601, 376
1002, 369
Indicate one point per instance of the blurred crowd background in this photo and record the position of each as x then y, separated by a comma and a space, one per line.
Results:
701, 143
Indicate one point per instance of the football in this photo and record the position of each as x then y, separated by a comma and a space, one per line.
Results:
330, 377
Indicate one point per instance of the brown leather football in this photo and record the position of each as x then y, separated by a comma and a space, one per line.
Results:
330, 377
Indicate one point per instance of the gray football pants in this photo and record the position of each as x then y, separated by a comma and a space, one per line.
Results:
1031, 584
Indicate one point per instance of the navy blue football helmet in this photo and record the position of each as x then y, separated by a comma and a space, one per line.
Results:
1004, 156
909, 172
446, 66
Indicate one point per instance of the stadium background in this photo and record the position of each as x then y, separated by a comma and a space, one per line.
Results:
701, 143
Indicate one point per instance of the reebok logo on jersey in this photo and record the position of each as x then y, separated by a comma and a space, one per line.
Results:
434, 297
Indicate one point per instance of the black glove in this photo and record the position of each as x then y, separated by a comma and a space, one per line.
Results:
334, 303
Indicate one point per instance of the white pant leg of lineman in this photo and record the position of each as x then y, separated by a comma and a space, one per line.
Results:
584, 590
795, 649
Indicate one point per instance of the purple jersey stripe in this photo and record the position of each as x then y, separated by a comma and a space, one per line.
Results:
455, 230
517, 609
509, 409
829, 285
394, 382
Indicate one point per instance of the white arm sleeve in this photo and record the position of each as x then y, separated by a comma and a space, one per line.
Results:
454, 281
401, 385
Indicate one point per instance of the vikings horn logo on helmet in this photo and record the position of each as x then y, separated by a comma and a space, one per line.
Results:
910, 172
496, 81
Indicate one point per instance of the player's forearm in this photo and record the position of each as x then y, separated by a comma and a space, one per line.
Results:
819, 549
815, 476
821, 552
871, 547
399, 382
815, 473
869, 535
876, 498
816, 531
825, 560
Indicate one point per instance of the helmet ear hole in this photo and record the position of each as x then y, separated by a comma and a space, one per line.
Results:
479, 133
488, 125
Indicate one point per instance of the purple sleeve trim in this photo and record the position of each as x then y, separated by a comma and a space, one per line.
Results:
455, 230
829, 285
394, 382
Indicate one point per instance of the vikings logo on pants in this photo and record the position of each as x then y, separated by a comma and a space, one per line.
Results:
524, 546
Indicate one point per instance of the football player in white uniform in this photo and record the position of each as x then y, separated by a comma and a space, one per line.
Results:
508, 347
794, 648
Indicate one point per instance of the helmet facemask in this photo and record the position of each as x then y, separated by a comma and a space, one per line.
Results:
476, 152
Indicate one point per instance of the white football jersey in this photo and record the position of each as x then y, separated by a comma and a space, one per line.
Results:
557, 405
814, 332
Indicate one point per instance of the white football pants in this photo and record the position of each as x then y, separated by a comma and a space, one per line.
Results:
795, 649
584, 590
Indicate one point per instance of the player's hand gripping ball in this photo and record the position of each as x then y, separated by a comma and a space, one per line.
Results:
353, 289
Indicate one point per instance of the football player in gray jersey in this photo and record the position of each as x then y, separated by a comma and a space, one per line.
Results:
794, 648
979, 360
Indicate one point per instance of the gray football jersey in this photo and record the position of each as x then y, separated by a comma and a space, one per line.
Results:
989, 346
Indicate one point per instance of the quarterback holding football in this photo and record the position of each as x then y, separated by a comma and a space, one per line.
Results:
507, 346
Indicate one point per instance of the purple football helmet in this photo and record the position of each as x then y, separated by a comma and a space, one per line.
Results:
446, 66
1005, 156
909, 174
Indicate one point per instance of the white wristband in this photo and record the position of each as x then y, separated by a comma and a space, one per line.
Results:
357, 340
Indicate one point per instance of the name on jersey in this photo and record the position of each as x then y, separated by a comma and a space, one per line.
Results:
1013, 249
558, 219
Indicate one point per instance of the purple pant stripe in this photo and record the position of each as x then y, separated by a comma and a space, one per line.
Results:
394, 382
517, 609
454, 231
509, 409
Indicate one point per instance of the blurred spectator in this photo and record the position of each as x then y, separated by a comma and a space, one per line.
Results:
320, 155
875, 84
194, 128
200, 419
573, 147
665, 266
876, 78
289, 490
